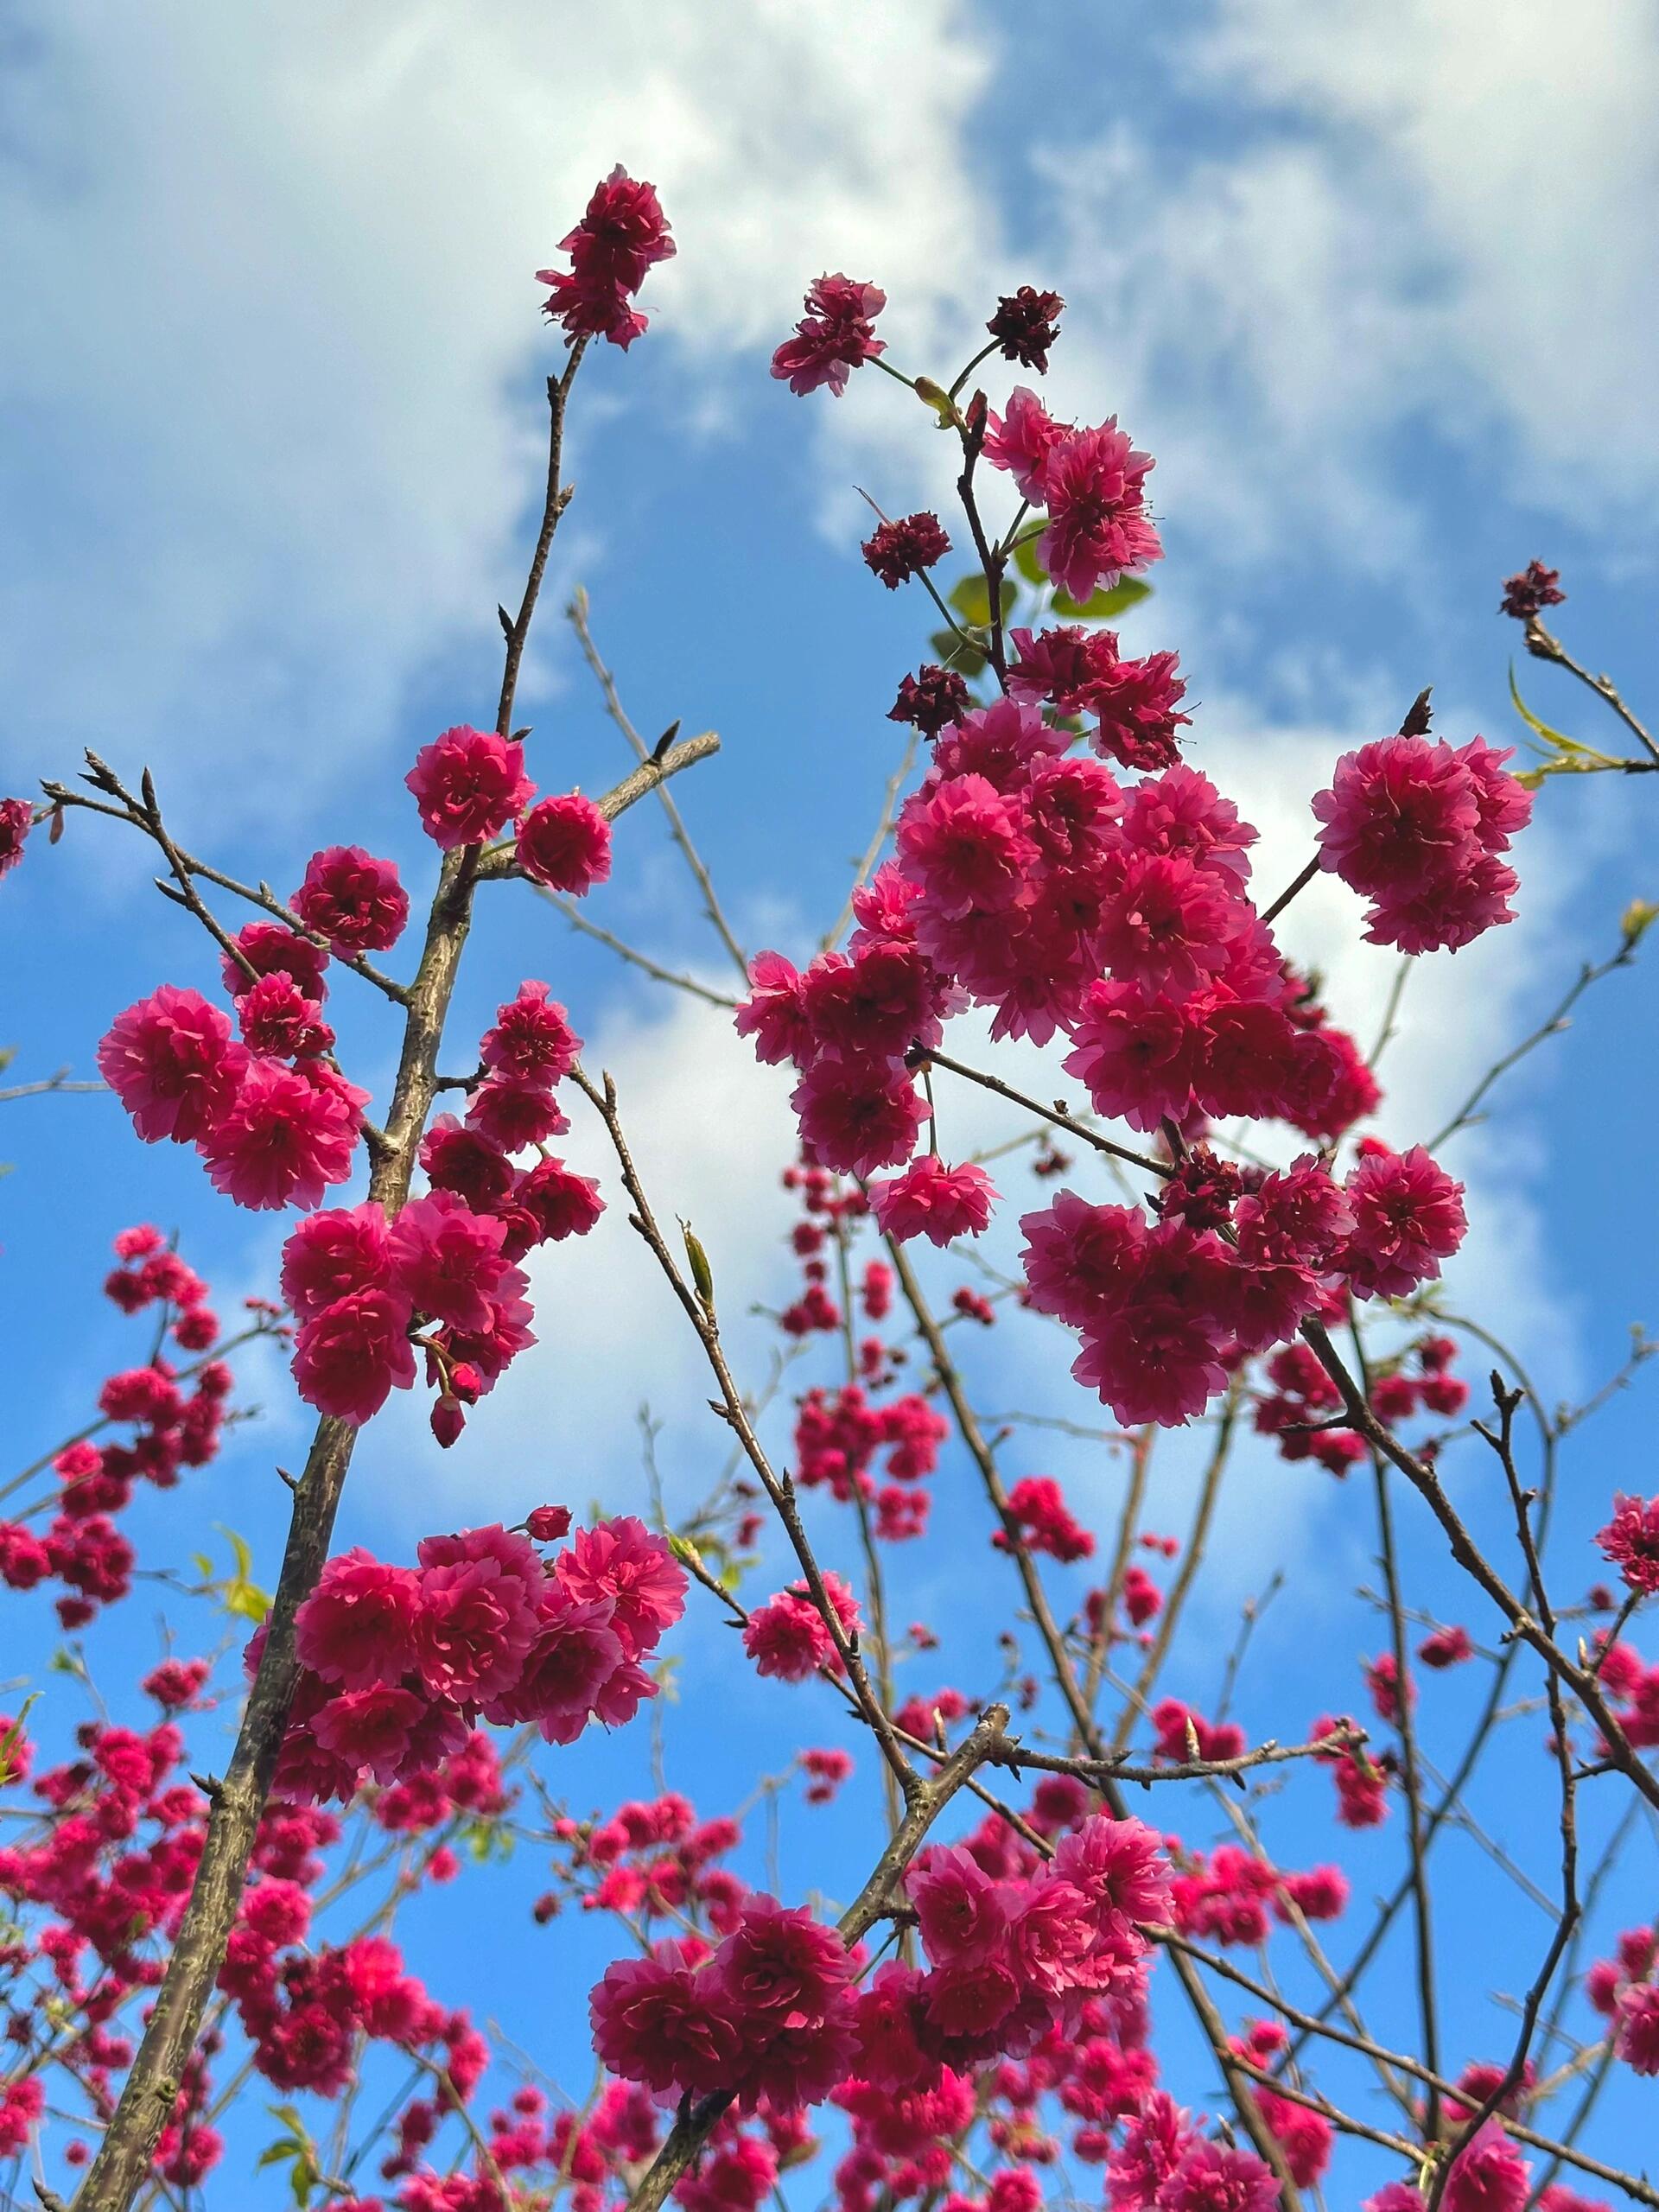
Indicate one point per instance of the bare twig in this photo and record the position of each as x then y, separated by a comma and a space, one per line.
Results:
576, 615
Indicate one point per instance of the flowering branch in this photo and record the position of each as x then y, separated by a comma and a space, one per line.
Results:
148, 2095
145, 815
925, 1801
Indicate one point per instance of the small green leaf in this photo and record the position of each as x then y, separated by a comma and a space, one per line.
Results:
955, 652
971, 598
1102, 606
239, 1551
14, 1735
1569, 756
934, 396
684, 1550
1026, 559
702, 1274
1635, 923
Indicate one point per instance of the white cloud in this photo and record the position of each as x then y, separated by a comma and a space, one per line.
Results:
268, 274
1393, 231
1522, 167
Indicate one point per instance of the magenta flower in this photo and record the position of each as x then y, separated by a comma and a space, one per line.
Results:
931, 1200
352, 899
835, 336
172, 1062
469, 785
565, 843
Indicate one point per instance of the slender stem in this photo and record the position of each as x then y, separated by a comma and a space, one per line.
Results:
1552, 1026
1543, 645
896, 783
1410, 1772
1175, 1603
576, 615
60, 1081
1580, 1679
699, 1310
556, 500
1128, 1523
578, 920
1061, 1121
992, 559
1299, 882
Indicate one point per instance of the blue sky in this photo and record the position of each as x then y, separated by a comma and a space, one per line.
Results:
1378, 292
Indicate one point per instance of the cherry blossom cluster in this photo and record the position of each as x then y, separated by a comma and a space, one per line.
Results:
772, 2012
402, 1662
1301, 1409
173, 1417
443, 1274
1166, 1309
1417, 828
104, 1876
623, 234
650, 1860
1064, 869
274, 1120
278, 1124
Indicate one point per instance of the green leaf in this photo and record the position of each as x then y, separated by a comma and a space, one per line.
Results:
1551, 737
1026, 559
239, 1551
14, 1735
936, 397
702, 1273
1102, 606
241, 1598
296, 2151
1637, 918
971, 598
953, 652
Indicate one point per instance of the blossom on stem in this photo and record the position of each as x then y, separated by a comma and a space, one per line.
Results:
468, 783
623, 234
835, 336
931, 1200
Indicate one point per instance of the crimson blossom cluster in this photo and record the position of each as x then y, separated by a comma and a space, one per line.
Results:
774, 2013
106, 1862
402, 1662
175, 1418
1064, 869
278, 1124
1029, 880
